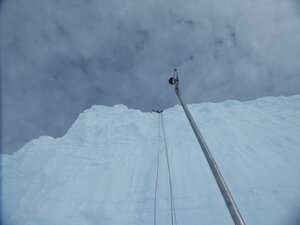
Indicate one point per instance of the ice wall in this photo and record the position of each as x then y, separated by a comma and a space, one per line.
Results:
103, 170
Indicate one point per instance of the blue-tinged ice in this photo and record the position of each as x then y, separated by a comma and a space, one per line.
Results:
103, 170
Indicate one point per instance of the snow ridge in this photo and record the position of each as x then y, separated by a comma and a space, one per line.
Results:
103, 170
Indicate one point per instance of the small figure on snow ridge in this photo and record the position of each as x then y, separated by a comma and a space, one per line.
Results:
157, 111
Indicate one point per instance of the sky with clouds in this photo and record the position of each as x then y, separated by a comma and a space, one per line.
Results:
59, 57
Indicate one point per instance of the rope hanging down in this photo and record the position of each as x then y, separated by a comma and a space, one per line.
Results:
172, 203
157, 169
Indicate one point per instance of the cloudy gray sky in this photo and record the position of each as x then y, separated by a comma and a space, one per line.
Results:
59, 57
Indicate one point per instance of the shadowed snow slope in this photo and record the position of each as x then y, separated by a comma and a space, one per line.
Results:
103, 170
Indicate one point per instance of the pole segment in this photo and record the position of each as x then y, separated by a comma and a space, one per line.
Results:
230, 203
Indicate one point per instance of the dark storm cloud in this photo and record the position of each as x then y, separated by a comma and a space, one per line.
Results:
61, 57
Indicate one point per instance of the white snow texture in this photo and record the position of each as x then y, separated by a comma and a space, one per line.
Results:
103, 170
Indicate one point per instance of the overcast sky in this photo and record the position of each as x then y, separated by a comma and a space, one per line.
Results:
59, 57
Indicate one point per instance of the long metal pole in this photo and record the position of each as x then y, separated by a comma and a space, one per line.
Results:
233, 209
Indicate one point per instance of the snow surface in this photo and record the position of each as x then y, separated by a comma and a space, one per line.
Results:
103, 170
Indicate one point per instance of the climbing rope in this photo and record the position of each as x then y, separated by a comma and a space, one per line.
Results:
172, 203
157, 169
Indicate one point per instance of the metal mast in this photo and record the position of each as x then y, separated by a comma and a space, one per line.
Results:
232, 207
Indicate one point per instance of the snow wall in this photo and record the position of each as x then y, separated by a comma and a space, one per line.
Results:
103, 170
